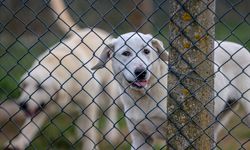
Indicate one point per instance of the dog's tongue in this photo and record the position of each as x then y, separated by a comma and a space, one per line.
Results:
142, 83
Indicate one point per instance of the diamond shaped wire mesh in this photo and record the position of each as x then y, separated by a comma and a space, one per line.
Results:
50, 98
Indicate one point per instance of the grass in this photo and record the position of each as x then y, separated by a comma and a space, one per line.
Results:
16, 58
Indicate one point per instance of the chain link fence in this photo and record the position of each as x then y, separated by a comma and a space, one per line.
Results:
54, 94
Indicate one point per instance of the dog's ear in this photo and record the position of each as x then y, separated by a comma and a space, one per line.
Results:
104, 57
160, 48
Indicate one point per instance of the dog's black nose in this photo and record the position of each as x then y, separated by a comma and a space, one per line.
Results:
42, 105
140, 73
23, 105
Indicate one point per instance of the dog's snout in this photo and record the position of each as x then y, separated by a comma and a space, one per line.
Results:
140, 73
23, 106
42, 105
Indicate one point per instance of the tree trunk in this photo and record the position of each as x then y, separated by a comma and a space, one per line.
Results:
190, 80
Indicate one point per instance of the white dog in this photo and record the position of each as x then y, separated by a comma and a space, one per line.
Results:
231, 83
142, 77
139, 65
61, 77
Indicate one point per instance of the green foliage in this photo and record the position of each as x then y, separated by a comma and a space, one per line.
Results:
233, 32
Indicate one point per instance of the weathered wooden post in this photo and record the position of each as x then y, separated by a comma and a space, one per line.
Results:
190, 80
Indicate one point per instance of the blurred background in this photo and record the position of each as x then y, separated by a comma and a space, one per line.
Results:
28, 28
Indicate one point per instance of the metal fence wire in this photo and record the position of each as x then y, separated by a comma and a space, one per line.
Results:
125, 74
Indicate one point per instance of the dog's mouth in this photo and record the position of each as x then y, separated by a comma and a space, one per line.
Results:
32, 112
139, 84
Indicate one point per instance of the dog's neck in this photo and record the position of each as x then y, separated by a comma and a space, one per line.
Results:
154, 94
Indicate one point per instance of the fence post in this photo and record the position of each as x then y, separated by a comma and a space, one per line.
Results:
190, 79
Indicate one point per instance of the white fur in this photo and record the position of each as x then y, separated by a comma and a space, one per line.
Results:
65, 79
232, 80
145, 108
60, 78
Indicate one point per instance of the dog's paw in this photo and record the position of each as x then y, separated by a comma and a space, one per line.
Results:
11, 148
114, 136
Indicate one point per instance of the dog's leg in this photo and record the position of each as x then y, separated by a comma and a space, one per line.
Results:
224, 117
221, 124
86, 127
29, 130
246, 105
139, 142
110, 128
111, 131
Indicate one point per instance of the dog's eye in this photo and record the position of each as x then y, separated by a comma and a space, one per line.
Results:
126, 53
146, 51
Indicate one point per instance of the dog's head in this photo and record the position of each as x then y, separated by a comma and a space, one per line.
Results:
38, 88
135, 57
